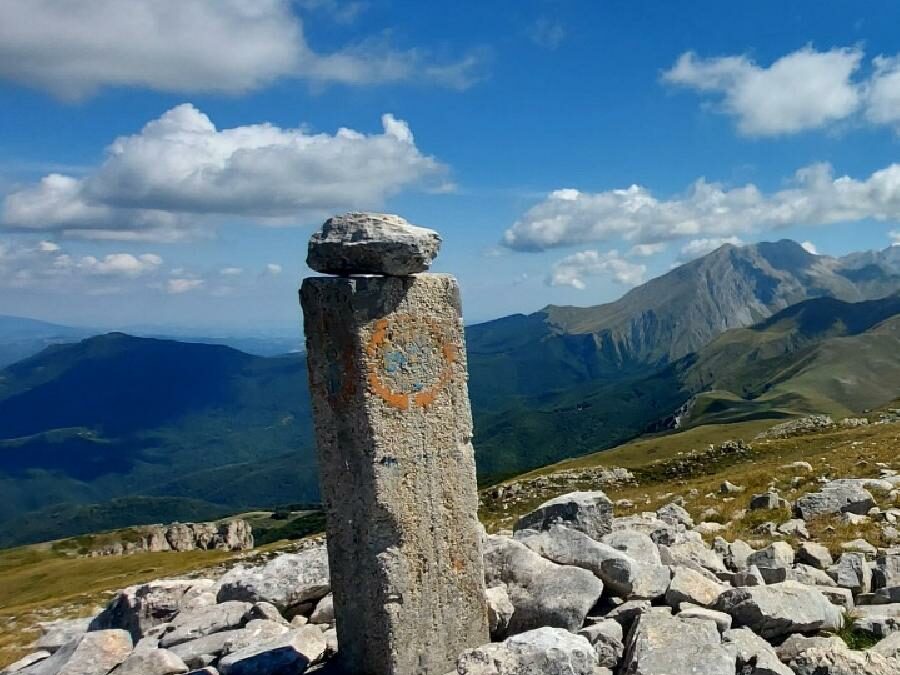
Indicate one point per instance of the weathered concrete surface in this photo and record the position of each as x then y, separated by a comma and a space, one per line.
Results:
387, 369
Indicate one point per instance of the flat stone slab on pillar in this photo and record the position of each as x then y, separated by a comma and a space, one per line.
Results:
372, 243
387, 368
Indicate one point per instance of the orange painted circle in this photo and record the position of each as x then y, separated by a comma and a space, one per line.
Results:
397, 358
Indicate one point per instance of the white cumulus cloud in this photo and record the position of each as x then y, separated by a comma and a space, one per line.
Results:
48, 265
647, 250
165, 182
121, 264
273, 269
708, 210
810, 247
231, 271
805, 89
883, 94
72, 49
894, 236
574, 269
180, 285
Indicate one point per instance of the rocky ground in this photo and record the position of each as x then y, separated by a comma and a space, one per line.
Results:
726, 559
229, 535
572, 589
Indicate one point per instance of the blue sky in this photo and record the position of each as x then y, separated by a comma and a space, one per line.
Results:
164, 165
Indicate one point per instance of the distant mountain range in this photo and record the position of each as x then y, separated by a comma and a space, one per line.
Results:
567, 380
22, 337
186, 429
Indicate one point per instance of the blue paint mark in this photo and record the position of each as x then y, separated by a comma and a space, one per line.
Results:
394, 360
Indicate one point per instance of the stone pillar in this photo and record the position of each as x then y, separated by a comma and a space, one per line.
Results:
388, 378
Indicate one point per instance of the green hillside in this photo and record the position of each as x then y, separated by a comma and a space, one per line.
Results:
116, 416
821, 355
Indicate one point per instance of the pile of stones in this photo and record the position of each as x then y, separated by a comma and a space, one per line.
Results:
572, 589
699, 462
804, 425
231, 535
516, 492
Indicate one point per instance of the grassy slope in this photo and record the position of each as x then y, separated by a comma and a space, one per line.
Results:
38, 584
678, 465
822, 355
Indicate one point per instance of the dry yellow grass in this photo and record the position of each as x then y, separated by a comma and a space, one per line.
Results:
839, 453
38, 584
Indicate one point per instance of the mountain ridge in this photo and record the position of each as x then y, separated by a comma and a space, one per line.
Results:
181, 420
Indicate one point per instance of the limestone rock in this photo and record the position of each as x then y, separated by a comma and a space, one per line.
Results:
331, 640
886, 596
287, 581
542, 651
889, 646
859, 546
736, 555
729, 488
751, 577
139, 608
55, 634
796, 644
842, 661
767, 500
324, 611
840, 597
675, 515
796, 527
721, 619
636, 545
780, 609
658, 530
265, 610
887, 569
542, 593
852, 571
626, 613
372, 243
694, 554
778, 554
753, 654
500, 610
587, 512
289, 654
205, 621
606, 639
811, 576
660, 644
206, 650
632, 580
835, 497
25, 661
689, 586
814, 554
566, 546
151, 662
95, 653
880, 620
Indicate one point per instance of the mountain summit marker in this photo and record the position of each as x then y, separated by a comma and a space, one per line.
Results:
388, 377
